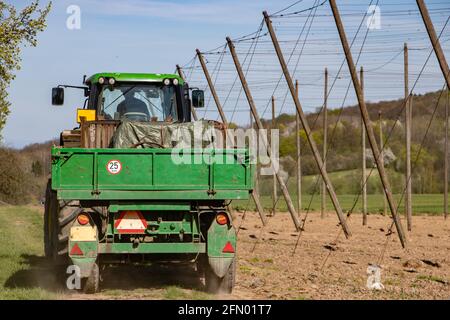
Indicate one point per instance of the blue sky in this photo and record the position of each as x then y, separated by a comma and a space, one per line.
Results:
153, 36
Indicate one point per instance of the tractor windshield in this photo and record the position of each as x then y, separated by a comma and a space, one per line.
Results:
138, 102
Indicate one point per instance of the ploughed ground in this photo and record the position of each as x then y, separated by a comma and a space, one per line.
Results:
324, 265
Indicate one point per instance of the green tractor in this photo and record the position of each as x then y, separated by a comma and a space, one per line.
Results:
119, 192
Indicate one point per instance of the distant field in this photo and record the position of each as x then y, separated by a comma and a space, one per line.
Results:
422, 203
347, 185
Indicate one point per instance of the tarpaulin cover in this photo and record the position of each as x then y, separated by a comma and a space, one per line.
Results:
134, 134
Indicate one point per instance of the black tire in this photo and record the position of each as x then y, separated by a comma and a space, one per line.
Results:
91, 284
215, 284
49, 197
201, 264
64, 215
58, 218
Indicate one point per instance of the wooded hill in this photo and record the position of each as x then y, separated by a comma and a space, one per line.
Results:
24, 172
344, 141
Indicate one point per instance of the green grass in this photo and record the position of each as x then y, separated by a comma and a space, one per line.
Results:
176, 293
422, 203
432, 279
245, 269
21, 250
302, 298
347, 185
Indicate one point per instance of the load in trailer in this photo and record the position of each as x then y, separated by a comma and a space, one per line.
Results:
120, 191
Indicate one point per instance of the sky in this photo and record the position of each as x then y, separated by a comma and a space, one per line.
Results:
154, 36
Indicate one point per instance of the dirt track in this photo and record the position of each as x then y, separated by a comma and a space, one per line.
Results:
321, 268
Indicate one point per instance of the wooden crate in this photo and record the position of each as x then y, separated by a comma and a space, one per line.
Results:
97, 134
70, 138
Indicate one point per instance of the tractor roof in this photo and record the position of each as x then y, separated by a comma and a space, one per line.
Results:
133, 77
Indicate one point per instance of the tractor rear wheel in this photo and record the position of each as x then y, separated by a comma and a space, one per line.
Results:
49, 202
215, 284
64, 214
58, 219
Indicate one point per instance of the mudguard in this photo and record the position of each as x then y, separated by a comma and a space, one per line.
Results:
83, 248
221, 247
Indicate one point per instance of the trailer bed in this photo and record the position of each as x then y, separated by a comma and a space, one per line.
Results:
151, 174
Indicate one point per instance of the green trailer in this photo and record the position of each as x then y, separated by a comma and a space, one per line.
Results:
106, 204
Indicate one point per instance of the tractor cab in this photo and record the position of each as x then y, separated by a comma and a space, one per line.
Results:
135, 96
140, 97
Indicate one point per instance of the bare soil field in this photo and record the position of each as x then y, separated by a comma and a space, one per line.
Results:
326, 265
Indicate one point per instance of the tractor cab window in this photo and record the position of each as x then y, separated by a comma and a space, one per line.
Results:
138, 102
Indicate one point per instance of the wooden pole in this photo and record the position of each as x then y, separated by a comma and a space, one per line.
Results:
306, 127
367, 123
446, 159
257, 166
380, 123
259, 126
254, 193
325, 137
274, 188
212, 88
181, 74
363, 158
299, 164
408, 198
446, 72
434, 41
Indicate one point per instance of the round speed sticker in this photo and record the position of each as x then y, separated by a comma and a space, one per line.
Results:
114, 166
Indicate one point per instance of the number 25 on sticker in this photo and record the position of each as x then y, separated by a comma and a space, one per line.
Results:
114, 166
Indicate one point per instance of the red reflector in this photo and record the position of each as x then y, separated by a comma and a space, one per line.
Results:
76, 251
228, 248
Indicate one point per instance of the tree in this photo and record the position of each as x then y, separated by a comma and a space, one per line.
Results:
16, 29
36, 168
14, 179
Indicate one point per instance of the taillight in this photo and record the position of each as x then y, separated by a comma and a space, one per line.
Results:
83, 219
222, 219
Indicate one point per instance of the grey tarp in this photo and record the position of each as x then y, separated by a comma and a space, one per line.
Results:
133, 134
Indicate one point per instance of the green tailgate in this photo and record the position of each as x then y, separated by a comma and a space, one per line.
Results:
147, 174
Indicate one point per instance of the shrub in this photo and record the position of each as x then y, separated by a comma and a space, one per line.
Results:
14, 179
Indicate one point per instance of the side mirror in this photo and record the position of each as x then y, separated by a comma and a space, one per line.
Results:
57, 96
198, 98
